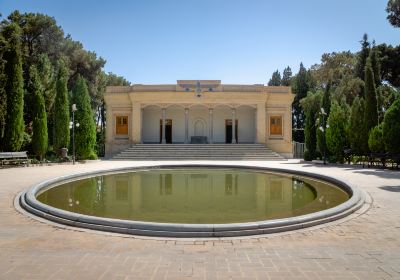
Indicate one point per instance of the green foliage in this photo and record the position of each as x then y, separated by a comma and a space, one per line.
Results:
85, 134
390, 63
349, 88
61, 110
393, 10
302, 83
39, 136
362, 57
115, 80
375, 139
287, 76
275, 79
14, 129
3, 96
391, 128
333, 67
311, 105
371, 103
357, 132
336, 132
386, 95
376, 65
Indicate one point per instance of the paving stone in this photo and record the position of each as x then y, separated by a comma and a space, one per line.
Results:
365, 245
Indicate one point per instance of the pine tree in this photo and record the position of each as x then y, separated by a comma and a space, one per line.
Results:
287, 76
275, 79
358, 136
371, 103
14, 129
39, 136
362, 57
61, 110
85, 134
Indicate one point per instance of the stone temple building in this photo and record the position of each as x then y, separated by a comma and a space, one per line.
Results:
199, 112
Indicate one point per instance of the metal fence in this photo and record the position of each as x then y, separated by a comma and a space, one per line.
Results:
298, 149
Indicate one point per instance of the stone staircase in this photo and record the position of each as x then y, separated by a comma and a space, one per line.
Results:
198, 152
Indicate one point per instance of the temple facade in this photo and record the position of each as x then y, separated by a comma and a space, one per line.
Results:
199, 112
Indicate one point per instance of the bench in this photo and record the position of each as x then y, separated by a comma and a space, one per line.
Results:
14, 158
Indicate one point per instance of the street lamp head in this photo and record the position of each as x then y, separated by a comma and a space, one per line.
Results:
74, 108
77, 124
323, 111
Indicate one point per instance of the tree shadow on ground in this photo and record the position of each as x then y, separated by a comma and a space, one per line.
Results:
391, 188
379, 172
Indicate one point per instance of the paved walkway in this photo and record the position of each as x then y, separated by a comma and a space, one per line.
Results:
363, 246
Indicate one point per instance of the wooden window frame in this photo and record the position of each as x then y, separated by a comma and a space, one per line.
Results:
271, 118
118, 126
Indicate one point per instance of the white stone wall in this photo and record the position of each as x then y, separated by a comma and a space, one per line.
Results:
200, 114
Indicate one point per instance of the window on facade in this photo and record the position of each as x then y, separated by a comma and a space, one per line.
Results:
122, 125
275, 126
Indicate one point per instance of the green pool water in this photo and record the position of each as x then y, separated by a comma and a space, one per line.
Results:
195, 195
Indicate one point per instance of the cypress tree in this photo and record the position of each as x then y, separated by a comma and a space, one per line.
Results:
301, 85
371, 103
39, 136
61, 110
391, 128
14, 129
3, 96
358, 136
362, 57
85, 134
275, 79
287, 76
311, 105
336, 139
376, 65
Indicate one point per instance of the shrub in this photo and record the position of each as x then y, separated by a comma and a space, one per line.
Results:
375, 139
391, 128
336, 139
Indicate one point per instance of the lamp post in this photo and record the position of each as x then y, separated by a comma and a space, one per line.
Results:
323, 128
72, 125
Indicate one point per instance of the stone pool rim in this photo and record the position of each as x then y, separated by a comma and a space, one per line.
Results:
29, 202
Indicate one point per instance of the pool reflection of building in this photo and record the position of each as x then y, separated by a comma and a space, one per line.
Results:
237, 193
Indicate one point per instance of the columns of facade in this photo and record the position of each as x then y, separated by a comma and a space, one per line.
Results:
261, 123
255, 125
141, 125
211, 124
163, 141
186, 125
136, 126
233, 125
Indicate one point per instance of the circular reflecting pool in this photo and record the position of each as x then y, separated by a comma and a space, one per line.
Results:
195, 196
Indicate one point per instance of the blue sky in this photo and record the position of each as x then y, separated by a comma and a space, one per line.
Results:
160, 41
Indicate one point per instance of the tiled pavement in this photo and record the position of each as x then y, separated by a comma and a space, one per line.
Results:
363, 246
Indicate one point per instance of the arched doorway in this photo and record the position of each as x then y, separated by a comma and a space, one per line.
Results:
199, 128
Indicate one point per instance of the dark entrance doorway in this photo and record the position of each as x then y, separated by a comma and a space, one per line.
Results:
168, 131
228, 131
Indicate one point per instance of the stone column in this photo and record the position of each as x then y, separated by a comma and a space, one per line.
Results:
136, 123
233, 126
210, 126
141, 125
255, 125
261, 123
186, 125
163, 141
